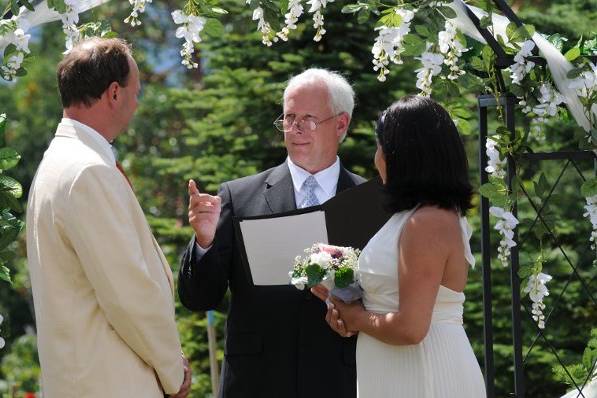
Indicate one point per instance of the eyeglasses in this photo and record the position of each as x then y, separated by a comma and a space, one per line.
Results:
284, 123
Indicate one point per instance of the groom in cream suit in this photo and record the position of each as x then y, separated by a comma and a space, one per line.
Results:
102, 288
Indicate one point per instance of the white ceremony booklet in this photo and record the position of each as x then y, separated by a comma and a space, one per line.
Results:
271, 244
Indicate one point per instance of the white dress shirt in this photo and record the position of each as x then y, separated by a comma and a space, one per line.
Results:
327, 180
92, 133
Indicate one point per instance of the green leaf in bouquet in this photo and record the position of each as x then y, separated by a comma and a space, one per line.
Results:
315, 274
344, 277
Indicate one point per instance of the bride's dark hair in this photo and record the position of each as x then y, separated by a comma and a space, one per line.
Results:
425, 157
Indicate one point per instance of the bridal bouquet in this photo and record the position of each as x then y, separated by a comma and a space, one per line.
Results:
335, 267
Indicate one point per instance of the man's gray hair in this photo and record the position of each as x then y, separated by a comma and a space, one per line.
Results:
341, 93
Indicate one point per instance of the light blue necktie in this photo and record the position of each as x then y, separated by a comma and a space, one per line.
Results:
308, 189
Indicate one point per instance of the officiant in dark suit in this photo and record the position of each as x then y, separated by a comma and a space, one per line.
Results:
278, 344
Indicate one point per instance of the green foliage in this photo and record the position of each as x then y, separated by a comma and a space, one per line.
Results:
10, 191
315, 274
583, 371
21, 366
343, 277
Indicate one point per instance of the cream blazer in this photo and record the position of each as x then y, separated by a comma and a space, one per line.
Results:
102, 289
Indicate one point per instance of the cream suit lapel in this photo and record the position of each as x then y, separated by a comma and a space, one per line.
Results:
164, 263
68, 131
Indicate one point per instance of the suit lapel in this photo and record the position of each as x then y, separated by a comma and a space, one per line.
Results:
164, 262
344, 180
279, 191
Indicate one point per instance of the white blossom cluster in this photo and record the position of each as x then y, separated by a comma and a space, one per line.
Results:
505, 226
521, 67
192, 25
317, 6
549, 100
2, 342
263, 26
70, 19
20, 39
591, 214
387, 46
495, 165
452, 48
138, 8
537, 290
432, 66
295, 10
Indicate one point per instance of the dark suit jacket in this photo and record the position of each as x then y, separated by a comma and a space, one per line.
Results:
278, 344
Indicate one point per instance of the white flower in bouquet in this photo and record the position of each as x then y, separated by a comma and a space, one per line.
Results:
333, 266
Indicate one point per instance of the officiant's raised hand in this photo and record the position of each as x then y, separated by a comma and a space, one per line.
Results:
204, 213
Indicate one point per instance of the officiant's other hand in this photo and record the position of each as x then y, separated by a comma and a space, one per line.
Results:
204, 213
332, 317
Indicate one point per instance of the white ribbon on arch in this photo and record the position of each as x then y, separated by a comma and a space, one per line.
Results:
42, 14
558, 65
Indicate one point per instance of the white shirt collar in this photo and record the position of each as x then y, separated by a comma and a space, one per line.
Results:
91, 133
326, 178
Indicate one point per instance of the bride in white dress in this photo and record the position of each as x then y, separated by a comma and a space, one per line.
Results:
411, 341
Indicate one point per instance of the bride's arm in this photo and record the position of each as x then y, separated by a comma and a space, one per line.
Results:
425, 246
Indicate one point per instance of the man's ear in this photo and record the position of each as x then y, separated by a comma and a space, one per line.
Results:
113, 92
342, 122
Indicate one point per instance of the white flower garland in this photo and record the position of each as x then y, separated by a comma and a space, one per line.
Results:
2, 342
452, 48
20, 39
192, 25
505, 226
591, 214
317, 6
537, 290
387, 46
70, 19
263, 26
138, 8
521, 66
495, 165
432, 66
295, 10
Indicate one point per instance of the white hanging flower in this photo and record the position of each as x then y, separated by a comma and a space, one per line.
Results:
591, 214
548, 107
537, 290
192, 25
505, 226
521, 67
263, 26
452, 49
138, 8
70, 19
495, 165
432, 66
20, 39
317, 6
295, 10
388, 44
2, 342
